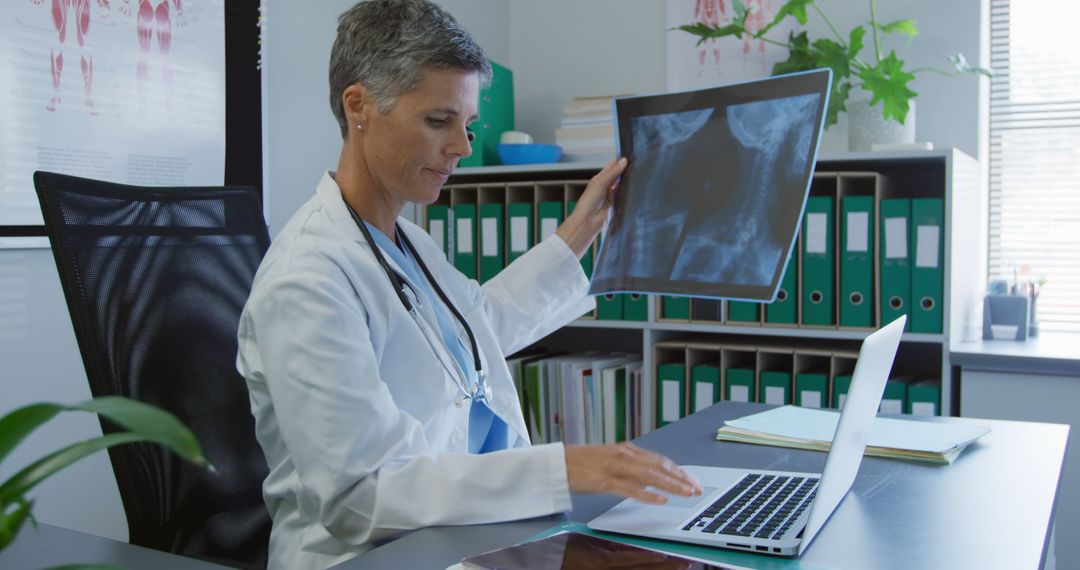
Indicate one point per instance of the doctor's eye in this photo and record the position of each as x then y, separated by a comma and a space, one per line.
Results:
470, 134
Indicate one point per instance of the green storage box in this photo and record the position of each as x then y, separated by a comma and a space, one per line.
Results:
494, 116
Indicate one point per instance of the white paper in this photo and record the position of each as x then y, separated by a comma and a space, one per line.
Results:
703, 396
891, 407
923, 409
489, 230
464, 235
519, 234
548, 227
810, 398
816, 238
740, 393
671, 401
820, 425
775, 395
926, 246
437, 229
895, 238
858, 231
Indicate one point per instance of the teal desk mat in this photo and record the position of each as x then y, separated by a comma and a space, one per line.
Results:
714, 555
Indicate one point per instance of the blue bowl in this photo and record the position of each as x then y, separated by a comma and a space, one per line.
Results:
528, 153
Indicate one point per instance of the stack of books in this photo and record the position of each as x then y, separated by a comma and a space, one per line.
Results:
587, 130
591, 398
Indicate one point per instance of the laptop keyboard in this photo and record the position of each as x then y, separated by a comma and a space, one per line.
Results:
759, 506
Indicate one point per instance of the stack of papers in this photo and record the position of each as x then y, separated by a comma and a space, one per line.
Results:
587, 129
807, 428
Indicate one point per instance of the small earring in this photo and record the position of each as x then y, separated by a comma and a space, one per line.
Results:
360, 126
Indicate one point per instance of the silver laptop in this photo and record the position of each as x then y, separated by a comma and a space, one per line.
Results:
774, 512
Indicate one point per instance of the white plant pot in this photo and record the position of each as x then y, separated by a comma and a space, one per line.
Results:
867, 126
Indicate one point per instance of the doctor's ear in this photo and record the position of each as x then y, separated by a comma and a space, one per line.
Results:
357, 103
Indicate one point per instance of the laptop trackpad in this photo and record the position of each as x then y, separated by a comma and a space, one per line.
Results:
686, 502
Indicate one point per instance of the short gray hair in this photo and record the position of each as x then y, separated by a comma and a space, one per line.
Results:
387, 45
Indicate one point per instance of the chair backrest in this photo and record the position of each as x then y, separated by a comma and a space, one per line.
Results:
155, 280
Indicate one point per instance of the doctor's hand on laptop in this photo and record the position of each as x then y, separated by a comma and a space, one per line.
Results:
626, 470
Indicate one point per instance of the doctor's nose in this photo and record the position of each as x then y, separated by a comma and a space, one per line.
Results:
462, 145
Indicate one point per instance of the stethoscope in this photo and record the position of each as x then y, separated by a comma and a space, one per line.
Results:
479, 391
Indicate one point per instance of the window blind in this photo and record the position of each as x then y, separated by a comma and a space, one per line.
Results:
1035, 154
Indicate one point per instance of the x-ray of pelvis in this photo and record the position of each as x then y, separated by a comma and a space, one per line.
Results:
713, 197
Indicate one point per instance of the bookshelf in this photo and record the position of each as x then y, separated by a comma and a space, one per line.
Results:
948, 174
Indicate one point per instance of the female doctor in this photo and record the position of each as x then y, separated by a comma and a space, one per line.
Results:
376, 370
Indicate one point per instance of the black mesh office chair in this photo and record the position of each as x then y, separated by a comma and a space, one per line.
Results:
155, 279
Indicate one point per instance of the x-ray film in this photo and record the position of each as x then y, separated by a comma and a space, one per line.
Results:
718, 178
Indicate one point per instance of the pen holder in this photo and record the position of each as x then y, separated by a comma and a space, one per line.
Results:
1005, 317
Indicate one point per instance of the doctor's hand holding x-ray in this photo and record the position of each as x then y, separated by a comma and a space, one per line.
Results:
377, 372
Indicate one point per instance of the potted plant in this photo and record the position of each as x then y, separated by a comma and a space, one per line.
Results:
883, 76
142, 421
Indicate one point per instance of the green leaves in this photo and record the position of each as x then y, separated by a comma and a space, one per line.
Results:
906, 27
855, 43
886, 80
706, 32
887, 83
801, 56
144, 422
962, 66
838, 98
11, 523
793, 8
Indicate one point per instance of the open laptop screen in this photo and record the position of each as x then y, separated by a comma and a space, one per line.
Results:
711, 202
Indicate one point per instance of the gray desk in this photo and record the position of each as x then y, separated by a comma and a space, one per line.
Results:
1049, 353
50, 545
1035, 380
991, 509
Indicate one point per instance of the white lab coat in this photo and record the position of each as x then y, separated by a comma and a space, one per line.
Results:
356, 414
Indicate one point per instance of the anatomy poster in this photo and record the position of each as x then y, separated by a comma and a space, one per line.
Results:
130, 91
724, 60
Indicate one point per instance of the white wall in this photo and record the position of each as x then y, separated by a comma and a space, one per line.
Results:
39, 357
302, 135
39, 361
566, 48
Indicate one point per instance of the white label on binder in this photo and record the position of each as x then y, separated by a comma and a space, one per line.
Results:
895, 238
810, 398
548, 227
740, 393
816, 226
671, 401
703, 396
489, 229
926, 246
519, 234
841, 398
891, 407
858, 230
438, 233
774, 395
464, 235
923, 409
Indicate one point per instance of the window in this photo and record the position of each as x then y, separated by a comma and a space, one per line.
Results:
1035, 154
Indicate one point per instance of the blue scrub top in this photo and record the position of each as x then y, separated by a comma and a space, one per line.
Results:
487, 431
